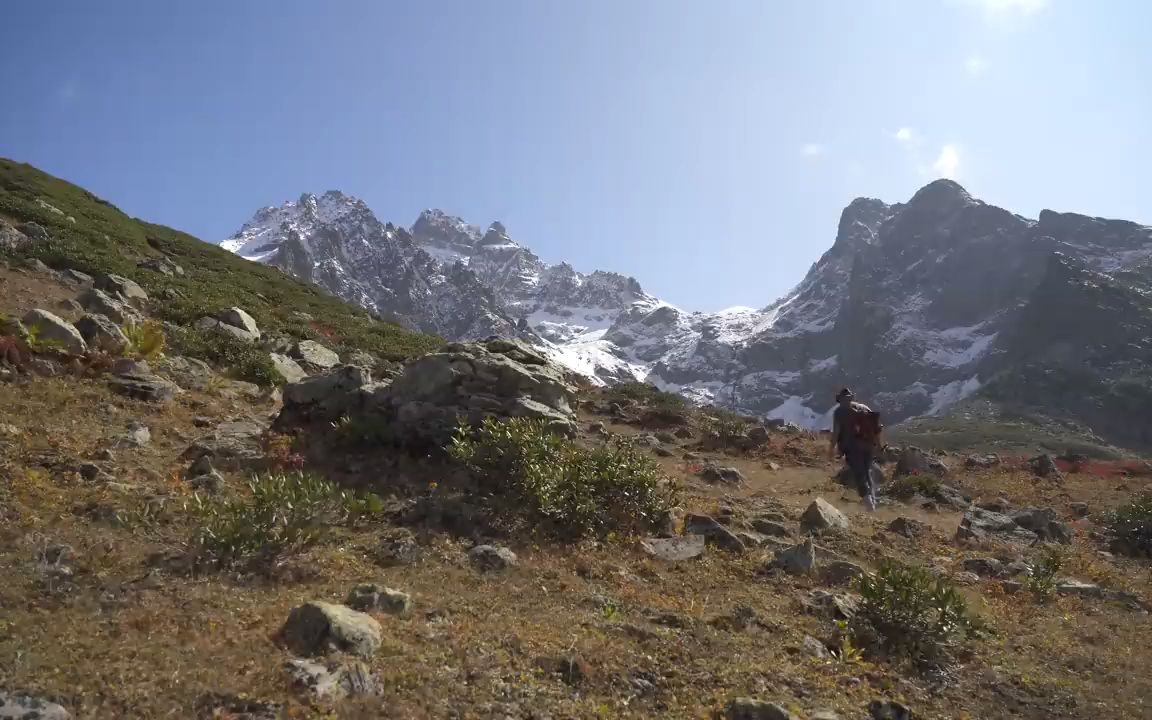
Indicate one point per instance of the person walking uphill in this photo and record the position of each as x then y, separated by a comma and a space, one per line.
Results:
856, 435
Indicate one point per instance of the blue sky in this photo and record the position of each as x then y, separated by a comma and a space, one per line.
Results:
706, 148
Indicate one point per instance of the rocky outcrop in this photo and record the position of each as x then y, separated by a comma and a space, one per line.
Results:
100, 332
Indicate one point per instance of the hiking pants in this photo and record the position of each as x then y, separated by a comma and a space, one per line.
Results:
860, 464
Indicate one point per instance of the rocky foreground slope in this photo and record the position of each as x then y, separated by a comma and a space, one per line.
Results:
921, 305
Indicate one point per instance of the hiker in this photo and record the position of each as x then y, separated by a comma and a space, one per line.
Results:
856, 436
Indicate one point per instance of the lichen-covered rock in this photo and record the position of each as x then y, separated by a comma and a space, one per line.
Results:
369, 596
316, 628
796, 560
288, 368
312, 354
21, 706
490, 558
333, 680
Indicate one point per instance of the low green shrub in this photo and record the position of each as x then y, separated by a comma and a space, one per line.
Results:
905, 486
1041, 582
907, 612
145, 340
281, 512
245, 360
1131, 525
730, 427
571, 490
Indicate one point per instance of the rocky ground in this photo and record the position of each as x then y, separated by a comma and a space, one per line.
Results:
423, 606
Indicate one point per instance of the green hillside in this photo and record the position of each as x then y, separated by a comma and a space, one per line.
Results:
91, 235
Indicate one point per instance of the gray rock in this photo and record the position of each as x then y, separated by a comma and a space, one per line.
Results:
316, 628
399, 548
101, 303
978, 523
333, 680
674, 549
492, 559
232, 445
907, 527
346, 391
56, 330
11, 238
824, 715
288, 368
1078, 509
1045, 466
142, 386
239, 318
834, 606
138, 435
749, 709
771, 528
70, 307
77, 277
122, 286
313, 354
984, 567
130, 366
209, 324
812, 647
101, 333
369, 596
796, 560
713, 532
982, 461
723, 475
822, 515
757, 435
889, 710
219, 705
186, 372
841, 572
598, 429
20, 706
162, 265
913, 460
1046, 523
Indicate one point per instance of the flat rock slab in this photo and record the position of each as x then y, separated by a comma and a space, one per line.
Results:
676, 549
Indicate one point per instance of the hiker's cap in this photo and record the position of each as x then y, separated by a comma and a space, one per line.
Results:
844, 393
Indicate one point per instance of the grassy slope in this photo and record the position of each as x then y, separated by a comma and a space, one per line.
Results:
104, 239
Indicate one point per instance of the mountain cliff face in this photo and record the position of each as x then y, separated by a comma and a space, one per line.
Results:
920, 306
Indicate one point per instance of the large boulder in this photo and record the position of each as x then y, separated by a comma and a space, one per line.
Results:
99, 302
143, 386
122, 286
979, 524
100, 332
424, 404
314, 355
712, 531
239, 318
288, 368
821, 515
317, 628
231, 445
56, 330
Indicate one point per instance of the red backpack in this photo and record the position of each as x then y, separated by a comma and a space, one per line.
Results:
865, 425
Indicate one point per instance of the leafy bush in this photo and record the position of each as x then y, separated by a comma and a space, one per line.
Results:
145, 340
245, 360
728, 426
909, 612
574, 491
282, 512
1041, 582
1131, 525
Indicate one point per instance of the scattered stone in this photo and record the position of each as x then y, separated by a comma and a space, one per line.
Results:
201, 421
666, 437
913, 460
122, 286
965, 578
674, 549
399, 548
889, 710
101, 333
189, 373
53, 329
11, 238
162, 265
978, 523
1045, 523
713, 532
1078, 509
571, 668
771, 528
70, 306
598, 429
333, 680
288, 368
217, 705
796, 560
315, 355
316, 628
749, 709
491, 558
143, 386
100, 303
20, 706
682, 433
1045, 466
723, 475
77, 277
984, 567
834, 606
138, 435
907, 527
973, 462
822, 515
369, 596
812, 647
239, 318
232, 445
841, 572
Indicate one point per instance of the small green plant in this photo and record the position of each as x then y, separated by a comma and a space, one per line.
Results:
1041, 582
909, 612
846, 651
572, 490
246, 360
906, 486
145, 339
729, 427
38, 344
1131, 525
282, 512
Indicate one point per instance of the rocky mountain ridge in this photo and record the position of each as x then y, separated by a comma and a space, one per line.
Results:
919, 305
